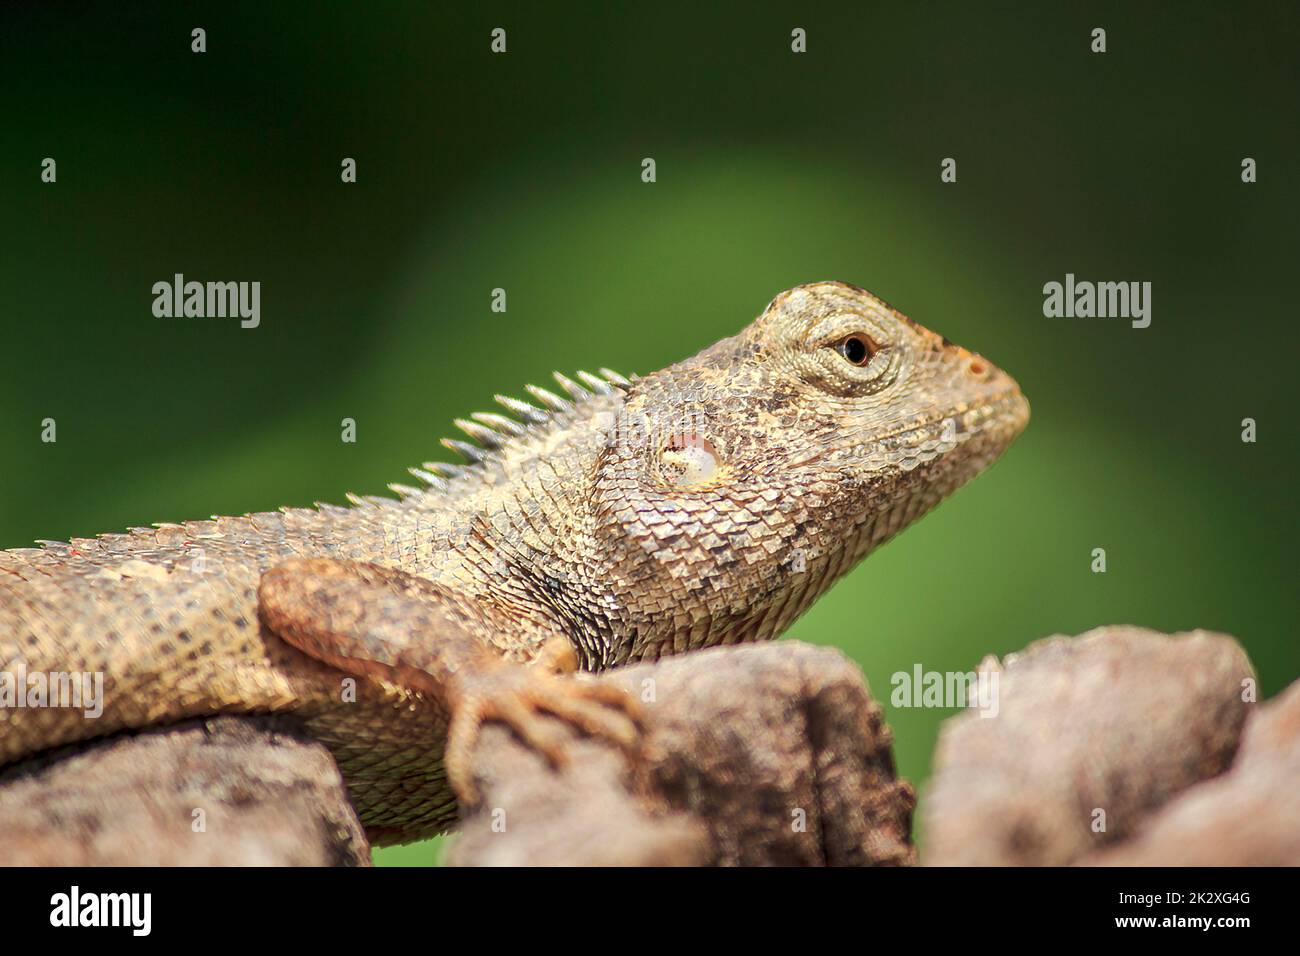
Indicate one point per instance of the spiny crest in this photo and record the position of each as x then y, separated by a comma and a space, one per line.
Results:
496, 433
493, 433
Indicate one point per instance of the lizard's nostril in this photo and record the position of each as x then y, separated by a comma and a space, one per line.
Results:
978, 368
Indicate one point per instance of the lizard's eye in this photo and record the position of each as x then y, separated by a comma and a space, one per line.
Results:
857, 349
852, 354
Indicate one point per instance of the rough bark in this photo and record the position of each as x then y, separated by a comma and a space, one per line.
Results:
223, 792
1093, 734
770, 754
1248, 817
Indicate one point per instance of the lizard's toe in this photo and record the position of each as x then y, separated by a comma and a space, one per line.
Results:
529, 702
521, 715
592, 710
466, 723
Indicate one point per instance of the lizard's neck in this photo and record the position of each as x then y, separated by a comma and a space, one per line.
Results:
513, 528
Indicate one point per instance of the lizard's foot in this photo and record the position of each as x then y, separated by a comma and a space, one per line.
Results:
518, 696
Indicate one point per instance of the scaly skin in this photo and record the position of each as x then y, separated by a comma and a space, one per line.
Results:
708, 503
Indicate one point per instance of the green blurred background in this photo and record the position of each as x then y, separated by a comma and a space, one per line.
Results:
522, 171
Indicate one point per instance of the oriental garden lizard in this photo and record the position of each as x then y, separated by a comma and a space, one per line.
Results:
708, 503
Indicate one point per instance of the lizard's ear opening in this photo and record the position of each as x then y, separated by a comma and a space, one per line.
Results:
689, 461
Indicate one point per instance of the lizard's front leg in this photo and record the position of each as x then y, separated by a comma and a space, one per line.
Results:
374, 621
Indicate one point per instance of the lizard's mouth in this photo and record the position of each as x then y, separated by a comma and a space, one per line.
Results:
993, 424
1006, 414
998, 421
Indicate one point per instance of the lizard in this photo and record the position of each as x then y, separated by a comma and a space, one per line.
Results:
709, 503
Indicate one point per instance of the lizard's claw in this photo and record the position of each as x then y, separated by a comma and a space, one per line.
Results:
518, 696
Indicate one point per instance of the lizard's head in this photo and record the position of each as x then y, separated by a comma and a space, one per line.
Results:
750, 477
862, 389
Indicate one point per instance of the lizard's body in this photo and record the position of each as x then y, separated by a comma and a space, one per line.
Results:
708, 503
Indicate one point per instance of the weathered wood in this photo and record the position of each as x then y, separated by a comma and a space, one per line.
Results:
229, 791
1250, 816
1093, 734
768, 754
